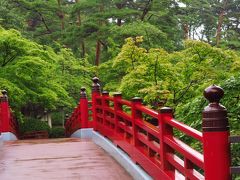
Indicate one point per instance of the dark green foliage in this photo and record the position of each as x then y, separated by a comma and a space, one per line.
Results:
31, 125
57, 118
57, 132
38, 78
231, 101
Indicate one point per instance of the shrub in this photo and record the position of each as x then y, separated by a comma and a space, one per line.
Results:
31, 124
57, 132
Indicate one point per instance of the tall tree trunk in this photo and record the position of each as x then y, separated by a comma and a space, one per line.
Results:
98, 52
79, 23
220, 22
186, 31
61, 14
98, 46
119, 20
146, 9
83, 49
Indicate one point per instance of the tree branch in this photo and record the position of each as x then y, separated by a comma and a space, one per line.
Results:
184, 91
146, 9
36, 11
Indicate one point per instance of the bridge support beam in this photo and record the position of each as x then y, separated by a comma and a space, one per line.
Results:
216, 147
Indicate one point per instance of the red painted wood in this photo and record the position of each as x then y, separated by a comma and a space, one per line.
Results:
216, 155
165, 130
155, 147
84, 112
147, 145
8, 122
94, 109
117, 107
149, 150
5, 117
186, 129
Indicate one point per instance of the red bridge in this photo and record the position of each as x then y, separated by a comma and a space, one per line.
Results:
119, 127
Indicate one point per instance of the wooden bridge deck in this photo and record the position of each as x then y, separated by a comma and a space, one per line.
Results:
62, 159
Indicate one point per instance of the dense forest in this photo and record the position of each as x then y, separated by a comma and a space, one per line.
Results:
165, 51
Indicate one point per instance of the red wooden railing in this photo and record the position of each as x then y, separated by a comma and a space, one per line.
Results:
81, 116
8, 122
157, 148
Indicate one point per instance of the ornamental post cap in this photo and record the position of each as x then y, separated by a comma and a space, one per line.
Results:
105, 93
115, 94
96, 85
166, 110
4, 92
213, 93
214, 115
137, 99
3, 96
95, 80
83, 93
83, 89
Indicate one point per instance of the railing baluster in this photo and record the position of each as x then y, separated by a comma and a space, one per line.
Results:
83, 108
95, 92
117, 107
165, 130
105, 104
136, 114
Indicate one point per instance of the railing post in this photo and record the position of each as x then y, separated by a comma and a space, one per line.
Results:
105, 103
95, 92
165, 129
135, 115
5, 113
216, 147
116, 96
84, 108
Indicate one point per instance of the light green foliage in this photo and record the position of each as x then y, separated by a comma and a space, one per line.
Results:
131, 55
36, 77
110, 77
198, 66
172, 78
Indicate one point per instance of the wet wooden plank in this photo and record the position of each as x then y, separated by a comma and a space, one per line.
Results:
69, 159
